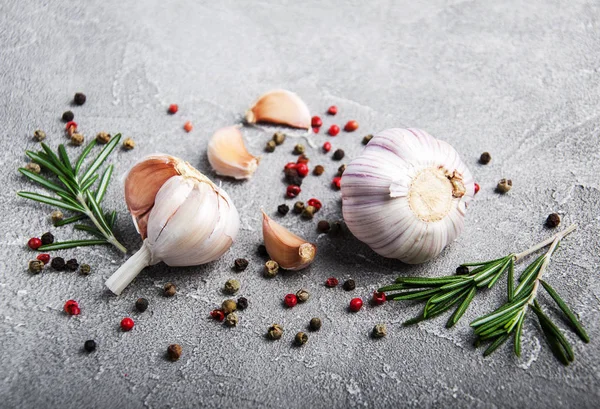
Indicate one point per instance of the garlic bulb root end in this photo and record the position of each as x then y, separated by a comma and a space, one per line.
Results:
129, 270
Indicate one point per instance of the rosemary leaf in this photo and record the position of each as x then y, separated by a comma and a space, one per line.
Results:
46, 163
104, 183
57, 162
518, 334
49, 200
499, 312
414, 295
511, 280
89, 229
577, 327
62, 153
496, 344
42, 181
461, 308
69, 220
88, 183
83, 155
101, 157
71, 244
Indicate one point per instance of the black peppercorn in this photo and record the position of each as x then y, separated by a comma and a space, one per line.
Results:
292, 177
283, 209
240, 264
68, 116
338, 154
315, 324
552, 221
323, 226
58, 263
47, 238
349, 285
141, 304
242, 303
462, 270
89, 345
79, 98
262, 250
485, 158
72, 264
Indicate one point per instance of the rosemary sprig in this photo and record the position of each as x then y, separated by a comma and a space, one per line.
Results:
73, 188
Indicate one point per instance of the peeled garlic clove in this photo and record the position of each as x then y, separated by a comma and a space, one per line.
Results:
288, 250
280, 107
406, 195
228, 156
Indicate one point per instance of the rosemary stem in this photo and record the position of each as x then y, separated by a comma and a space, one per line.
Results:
108, 235
550, 240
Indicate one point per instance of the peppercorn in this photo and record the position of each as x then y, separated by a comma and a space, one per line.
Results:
173, 108
89, 345
231, 320
103, 137
33, 167
331, 282
39, 135
127, 324
262, 250
326, 147
337, 182
79, 98
301, 339
476, 188
316, 203
349, 285
231, 286
218, 315
553, 220
316, 122
128, 144
56, 216
315, 324
290, 165
302, 170
34, 243
228, 306
302, 295
71, 307
84, 269
283, 209
485, 158
338, 154
68, 116
44, 258
278, 138
71, 128
188, 126
47, 238
504, 186
332, 110
58, 263
240, 264
379, 331
72, 264
271, 268
242, 303
174, 352
169, 290
367, 139
292, 176
308, 212
275, 331
341, 170
270, 146
318, 170
290, 300
462, 270
77, 139
355, 304
141, 304
298, 149
303, 159
378, 298
298, 207
293, 191
36, 266
351, 126
333, 130
323, 226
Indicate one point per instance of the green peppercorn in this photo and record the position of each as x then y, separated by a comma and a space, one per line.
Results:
68, 116
349, 285
169, 290
302, 295
33, 167
367, 139
278, 138
298, 207
228, 306
103, 138
298, 149
379, 331
72, 264
79, 98
77, 139
275, 331
240, 264
231, 286
462, 270
242, 303
128, 144
308, 212
36, 266
485, 158
301, 338
56, 216
174, 352
338, 154
231, 320
141, 304
47, 238
283, 209
270, 146
323, 226
504, 186
85, 269
271, 268
318, 170
553, 220
315, 324
39, 135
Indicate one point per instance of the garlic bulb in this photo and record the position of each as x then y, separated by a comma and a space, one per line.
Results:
228, 156
288, 250
406, 195
183, 217
280, 107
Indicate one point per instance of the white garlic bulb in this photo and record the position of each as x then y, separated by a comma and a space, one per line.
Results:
183, 217
406, 195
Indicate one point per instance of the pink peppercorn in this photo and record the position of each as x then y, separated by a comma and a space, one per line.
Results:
333, 130
217, 315
476, 188
44, 258
378, 298
71, 307
332, 110
331, 282
34, 243
173, 108
326, 147
127, 324
315, 203
316, 122
293, 191
337, 182
356, 304
290, 300
302, 169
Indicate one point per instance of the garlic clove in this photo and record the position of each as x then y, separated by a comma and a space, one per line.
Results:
280, 107
228, 155
288, 250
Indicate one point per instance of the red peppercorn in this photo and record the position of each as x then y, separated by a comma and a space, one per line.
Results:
217, 315
378, 298
333, 130
71, 307
290, 300
173, 108
302, 169
315, 203
351, 126
75, 310
316, 130
188, 126
290, 165
337, 182
332, 110
34, 243
44, 258
326, 147
316, 122
127, 324
476, 188
293, 191
356, 304
71, 124
331, 282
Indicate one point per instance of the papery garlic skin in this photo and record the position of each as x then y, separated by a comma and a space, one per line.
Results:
228, 155
280, 107
183, 217
406, 195
288, 250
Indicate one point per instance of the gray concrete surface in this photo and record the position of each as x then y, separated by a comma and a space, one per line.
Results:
518, 79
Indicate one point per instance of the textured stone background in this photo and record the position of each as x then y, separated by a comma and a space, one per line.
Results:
519, 79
